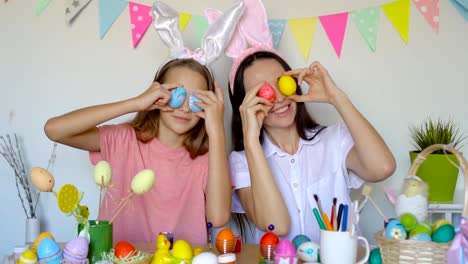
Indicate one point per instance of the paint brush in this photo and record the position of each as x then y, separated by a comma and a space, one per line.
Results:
319, 204
333, 214
366, 190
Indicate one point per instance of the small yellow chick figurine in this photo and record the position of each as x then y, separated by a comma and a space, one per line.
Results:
413, 199
162, 255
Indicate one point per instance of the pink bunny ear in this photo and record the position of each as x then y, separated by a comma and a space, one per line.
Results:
254, 24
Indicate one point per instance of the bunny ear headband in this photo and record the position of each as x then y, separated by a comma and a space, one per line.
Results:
166, 22
252, 30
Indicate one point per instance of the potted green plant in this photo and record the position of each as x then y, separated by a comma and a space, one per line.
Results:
438, 170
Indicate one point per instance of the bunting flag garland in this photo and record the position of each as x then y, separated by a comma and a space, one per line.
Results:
40, 6
200, 27
73, 8
462, 7
398, 13
140, 20
430, 10
303, 30
335, 27
367, 22
277, 28
109, 11
184, 19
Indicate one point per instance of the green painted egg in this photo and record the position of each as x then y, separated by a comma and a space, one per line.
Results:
444, 234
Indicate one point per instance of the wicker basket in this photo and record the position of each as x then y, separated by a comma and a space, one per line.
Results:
409, 251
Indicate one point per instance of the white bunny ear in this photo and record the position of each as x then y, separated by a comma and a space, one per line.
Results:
166, 22
220, 32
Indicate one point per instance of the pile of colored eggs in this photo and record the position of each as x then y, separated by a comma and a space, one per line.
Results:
407, 227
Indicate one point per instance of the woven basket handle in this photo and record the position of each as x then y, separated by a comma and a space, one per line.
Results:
463, 164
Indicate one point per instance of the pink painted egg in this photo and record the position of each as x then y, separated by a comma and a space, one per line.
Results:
285, 248
76, 251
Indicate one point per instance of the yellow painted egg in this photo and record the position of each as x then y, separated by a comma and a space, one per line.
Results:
28, 257
42, 179
67, 198
438, 223
287, 85
143, 181
40, 237
182, 250
102, 173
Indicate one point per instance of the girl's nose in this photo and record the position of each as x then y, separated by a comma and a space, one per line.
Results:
185, 106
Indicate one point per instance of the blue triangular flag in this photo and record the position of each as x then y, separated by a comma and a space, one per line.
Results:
276, 29
462, 7
109, 11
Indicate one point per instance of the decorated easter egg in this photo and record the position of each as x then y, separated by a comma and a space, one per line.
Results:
308, 252
102, 173
197, 251
205, 258
299, 240
49, 251
124, 249
421, 237
375, 257
408, 221
28, 257
76, 250
287, 85
182, 250
438, 223
443, 234
67, 198
285, 249
42, 179
178, 96
267, 92
39, 239
269, 238
395, 230
225, 241
423, 227
193, 107
143, 181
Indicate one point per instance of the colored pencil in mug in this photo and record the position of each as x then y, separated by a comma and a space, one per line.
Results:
319, 219
345, 218
340, 214
333, 215
327, 222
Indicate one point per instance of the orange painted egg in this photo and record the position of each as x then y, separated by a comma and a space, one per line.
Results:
225, 234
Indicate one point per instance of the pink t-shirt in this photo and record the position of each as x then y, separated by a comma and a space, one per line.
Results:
176, 203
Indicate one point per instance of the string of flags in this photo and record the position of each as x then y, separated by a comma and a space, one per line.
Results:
334, 25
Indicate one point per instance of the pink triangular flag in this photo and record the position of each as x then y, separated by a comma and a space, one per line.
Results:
430, 10
140, 19
335, 27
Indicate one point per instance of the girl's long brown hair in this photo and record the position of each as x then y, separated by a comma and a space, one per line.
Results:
146, 123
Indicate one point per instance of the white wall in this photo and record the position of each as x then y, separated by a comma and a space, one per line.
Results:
48, 68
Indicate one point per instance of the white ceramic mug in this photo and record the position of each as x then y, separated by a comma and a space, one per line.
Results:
341, 248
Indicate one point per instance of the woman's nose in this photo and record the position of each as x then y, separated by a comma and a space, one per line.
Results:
279, 96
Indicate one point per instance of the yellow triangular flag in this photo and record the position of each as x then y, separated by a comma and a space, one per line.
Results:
303, 30
398, 12
183, 20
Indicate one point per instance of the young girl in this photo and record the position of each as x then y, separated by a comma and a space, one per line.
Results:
192, 184
282, 157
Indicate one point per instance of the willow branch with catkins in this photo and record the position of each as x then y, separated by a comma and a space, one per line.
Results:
11, 151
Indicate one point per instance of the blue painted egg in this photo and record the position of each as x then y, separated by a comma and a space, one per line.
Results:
49, 251
178, 96
444, 234
308, 252
395, 230
299, 240
421, 237
192, 100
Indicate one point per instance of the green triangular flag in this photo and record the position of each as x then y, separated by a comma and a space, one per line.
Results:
40, 6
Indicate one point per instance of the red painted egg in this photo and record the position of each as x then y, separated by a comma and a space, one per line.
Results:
267, 92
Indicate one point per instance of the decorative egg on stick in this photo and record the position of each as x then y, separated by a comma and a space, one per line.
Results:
102, 177
42, 179
141, 183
